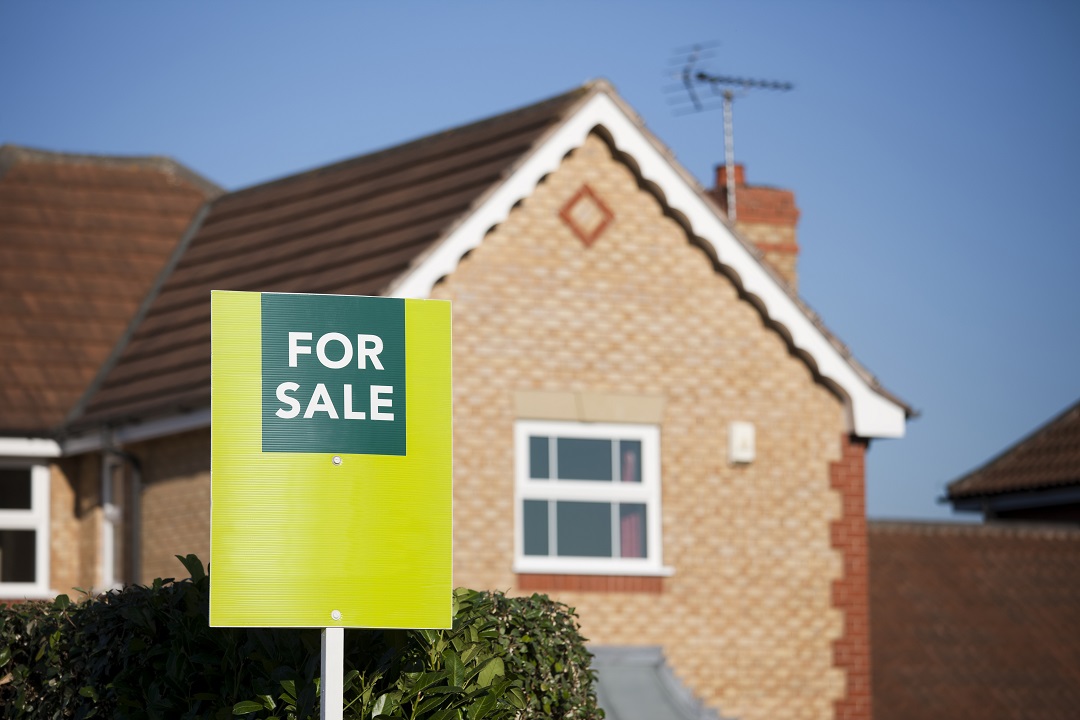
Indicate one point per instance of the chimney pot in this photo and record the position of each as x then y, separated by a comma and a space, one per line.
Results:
721, 175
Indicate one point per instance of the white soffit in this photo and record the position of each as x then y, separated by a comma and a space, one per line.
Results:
870, 413
28, 447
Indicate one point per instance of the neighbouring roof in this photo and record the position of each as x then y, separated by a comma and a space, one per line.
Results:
1047, 458
636, 683
394, 222
974, 621
82, 238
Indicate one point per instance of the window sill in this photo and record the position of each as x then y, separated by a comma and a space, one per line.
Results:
560, 566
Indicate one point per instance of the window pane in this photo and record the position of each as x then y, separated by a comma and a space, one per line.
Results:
584, 528
17, 555
630, 460
584, 459
538, 458
536, 527
632, 530
15, 489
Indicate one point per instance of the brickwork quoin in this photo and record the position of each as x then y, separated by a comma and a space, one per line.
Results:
851, 590
747, 619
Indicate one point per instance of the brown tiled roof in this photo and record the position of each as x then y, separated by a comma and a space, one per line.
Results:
974, 621
81, 240
1048, 458
349, 228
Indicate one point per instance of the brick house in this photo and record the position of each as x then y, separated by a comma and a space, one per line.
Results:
649, 424
81, 240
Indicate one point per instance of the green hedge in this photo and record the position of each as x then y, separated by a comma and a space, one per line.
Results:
148, 652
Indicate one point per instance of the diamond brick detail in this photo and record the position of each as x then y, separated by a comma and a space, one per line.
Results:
587, 215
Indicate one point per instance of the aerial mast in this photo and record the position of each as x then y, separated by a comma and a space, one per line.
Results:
725, 87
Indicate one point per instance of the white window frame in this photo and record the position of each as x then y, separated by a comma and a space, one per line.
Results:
36, 519
646, 492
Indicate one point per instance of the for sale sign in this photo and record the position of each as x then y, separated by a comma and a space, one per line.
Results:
331, 461
333, 374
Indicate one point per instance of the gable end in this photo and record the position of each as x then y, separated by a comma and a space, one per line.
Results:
870, 413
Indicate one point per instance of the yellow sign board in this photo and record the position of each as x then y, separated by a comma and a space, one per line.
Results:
331, 461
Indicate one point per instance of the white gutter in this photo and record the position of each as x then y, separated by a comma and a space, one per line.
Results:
135, 521
137, 432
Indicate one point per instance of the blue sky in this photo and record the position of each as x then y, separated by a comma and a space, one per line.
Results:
931, 145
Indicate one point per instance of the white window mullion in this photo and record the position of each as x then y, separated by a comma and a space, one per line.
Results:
586, 492
553, 529
19, 520
39, 478
616, 532
653, 512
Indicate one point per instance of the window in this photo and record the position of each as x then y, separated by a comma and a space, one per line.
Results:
588, 498
24, 530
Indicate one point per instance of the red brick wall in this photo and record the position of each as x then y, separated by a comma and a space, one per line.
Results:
851, 653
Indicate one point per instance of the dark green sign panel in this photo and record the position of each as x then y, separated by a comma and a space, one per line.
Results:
333, 374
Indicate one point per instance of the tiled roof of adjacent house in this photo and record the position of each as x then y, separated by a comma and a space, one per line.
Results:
81, 240
349, 228
1048, 458
974, 621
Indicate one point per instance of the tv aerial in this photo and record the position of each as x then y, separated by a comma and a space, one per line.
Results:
701, 91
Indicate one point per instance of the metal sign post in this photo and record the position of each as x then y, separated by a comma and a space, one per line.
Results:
331, 687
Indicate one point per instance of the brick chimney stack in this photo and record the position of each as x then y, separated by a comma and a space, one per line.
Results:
765, 216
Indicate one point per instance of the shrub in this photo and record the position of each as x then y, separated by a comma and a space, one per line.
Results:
544, 647
148, 652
